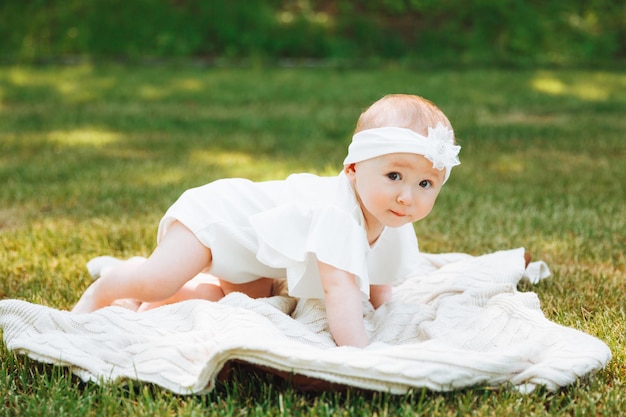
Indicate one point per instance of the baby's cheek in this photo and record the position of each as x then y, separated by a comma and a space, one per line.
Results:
428, 208
384, 200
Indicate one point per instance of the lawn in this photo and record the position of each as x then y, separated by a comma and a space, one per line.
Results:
92, 156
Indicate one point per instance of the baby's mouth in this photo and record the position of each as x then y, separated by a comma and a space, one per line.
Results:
397, 213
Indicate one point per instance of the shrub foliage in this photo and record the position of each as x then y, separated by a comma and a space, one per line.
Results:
510, 32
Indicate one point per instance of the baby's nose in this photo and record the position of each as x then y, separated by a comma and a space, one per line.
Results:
405, 197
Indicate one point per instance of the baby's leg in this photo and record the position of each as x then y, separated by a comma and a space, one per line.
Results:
208, 287
202, 287
179, 257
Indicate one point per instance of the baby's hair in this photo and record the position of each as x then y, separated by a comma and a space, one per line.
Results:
402, 110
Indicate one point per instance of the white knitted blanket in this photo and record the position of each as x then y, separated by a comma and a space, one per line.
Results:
461, 323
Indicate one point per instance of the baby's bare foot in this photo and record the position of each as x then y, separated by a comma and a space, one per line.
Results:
97, 265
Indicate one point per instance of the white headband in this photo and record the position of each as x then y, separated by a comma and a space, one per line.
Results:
438, 147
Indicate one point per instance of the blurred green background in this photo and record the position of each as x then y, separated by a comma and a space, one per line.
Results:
511, 33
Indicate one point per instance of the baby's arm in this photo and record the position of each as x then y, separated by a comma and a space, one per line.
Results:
344, 310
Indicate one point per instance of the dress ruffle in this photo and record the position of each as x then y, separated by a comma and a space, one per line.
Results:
295, 237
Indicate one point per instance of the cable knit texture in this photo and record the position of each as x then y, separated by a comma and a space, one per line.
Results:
461, 323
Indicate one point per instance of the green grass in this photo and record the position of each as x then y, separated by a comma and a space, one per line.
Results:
91, 157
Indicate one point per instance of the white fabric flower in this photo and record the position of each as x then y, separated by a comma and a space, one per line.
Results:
442, 152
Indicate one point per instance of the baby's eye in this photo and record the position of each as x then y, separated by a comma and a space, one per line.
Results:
394, 176
425, 184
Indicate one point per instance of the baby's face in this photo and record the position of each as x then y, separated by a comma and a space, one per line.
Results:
395, 189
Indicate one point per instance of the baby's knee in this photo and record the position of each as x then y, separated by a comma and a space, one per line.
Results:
206, 291
260, 288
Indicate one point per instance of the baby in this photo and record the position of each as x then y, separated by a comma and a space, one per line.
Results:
340, 239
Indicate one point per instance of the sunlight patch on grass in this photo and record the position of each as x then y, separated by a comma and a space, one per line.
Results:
521, 118
241, 164
589, 89
221, 158
510, 164
75, 90
74, 84
20, 77
67, 87
151, 92
28, 77
154, 92
83, 137
163, 176
267, 170
188, 84
548, 85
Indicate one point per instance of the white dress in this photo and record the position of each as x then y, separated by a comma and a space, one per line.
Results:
279, 229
